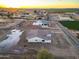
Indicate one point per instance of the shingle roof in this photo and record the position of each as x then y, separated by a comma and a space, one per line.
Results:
39, 33
42, 21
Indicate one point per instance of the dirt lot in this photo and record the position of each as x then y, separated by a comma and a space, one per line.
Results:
1, 33
59, 46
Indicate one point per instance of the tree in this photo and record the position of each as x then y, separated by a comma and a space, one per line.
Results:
44, 54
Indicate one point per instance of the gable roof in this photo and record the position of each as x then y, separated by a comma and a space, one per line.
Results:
42, 21
43, 34
35, 39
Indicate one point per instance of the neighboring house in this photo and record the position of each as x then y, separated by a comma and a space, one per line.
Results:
65, 18
41, 23
76, 17
5, 21
25, 14
3, 12
41, 36
16, 16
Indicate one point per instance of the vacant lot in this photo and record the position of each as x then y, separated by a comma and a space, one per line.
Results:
1, 33
74, 25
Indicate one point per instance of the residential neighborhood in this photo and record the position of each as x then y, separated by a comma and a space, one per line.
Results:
26, 31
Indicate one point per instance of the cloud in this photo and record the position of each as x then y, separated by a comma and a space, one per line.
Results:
18, 3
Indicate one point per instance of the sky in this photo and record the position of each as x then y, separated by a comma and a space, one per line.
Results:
39, 3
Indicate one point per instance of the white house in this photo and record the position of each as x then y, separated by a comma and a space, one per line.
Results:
65, 18
41, 23
38, 39
42, 36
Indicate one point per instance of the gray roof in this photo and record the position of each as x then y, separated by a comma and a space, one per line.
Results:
39, 33
42, 21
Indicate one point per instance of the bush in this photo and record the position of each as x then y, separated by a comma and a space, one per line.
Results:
44, 54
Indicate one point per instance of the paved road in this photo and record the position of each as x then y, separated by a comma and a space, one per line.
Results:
71, 39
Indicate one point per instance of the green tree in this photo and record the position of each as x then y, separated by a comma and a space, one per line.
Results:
44, 54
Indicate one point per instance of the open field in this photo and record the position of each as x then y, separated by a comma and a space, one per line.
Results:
63, 10
74, 25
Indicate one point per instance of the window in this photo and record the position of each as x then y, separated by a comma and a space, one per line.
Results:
35, 40
43, 40
39, 18
42, 24
45, 24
